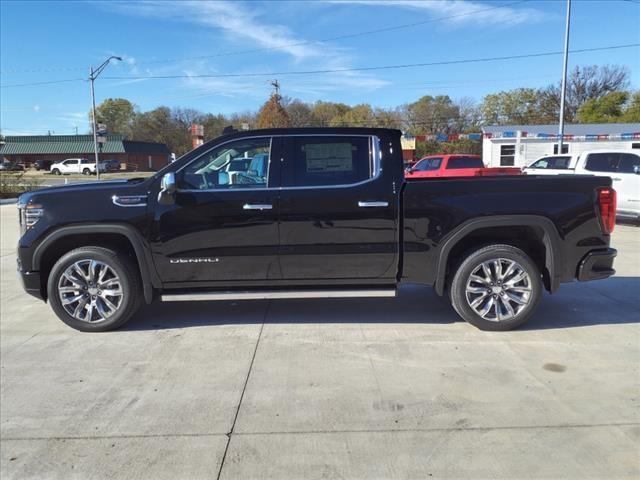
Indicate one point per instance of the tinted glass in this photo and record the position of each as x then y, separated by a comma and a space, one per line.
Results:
216, 169
629, 163
71, 162
427, 164
316, 161
464, 162
602, 162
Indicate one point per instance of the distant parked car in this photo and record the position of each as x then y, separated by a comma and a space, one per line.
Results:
43, 164
110, 165
456, 165
11, 167
75, 165
623, 166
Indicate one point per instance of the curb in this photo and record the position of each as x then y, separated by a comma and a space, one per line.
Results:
8, 201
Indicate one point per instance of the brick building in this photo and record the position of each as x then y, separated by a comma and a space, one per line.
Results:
133, 155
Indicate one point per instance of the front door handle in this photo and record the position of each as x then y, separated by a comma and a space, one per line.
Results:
372, 204
257, 206
616, 179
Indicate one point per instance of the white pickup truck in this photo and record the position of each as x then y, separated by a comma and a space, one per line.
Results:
75, 165
623, 166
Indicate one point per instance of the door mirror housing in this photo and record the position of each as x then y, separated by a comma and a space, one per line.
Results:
167, 189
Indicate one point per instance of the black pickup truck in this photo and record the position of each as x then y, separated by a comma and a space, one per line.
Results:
310, 213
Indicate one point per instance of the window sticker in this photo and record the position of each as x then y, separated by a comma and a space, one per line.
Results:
328, 157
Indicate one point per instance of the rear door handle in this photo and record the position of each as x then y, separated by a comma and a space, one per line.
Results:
257, 206
372, 204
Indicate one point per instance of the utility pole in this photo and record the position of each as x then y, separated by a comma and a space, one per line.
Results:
93, 74
276, 85
563, 88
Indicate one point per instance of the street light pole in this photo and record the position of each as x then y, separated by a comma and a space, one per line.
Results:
93, 74
563, 88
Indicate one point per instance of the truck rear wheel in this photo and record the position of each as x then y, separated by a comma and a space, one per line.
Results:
497, 288
93, 289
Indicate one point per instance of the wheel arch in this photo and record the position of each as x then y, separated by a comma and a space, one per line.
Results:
123, 237
506, 229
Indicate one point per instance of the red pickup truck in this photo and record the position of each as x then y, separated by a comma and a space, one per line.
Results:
458, 165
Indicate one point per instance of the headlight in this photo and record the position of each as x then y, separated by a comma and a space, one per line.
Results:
29, 215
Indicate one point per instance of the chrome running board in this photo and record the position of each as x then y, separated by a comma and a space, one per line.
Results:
276, 294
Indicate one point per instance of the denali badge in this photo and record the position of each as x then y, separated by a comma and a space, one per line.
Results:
194, 260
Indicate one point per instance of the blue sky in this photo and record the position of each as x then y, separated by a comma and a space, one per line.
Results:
50, 41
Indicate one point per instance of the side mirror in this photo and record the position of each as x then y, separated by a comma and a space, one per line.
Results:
636, 169
167, 189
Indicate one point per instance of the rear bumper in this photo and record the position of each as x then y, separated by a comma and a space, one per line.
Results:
31, 282
597, 264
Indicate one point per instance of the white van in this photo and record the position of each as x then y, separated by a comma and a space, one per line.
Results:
623, 166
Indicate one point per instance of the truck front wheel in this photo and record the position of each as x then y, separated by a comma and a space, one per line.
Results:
93, 289
497, 288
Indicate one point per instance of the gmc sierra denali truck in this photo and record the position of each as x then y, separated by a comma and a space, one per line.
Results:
310, 213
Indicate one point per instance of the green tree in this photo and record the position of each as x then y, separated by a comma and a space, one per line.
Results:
159, 125
300, 113
519, 106
606, 109
273, 114
117, 114
359, 116
632, 111
325, 112
213, 125
432, 115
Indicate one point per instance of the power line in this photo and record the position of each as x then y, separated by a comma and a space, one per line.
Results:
43, 83
289, 45
341, 70
384, 67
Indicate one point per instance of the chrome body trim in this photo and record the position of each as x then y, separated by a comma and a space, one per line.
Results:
249, 206
277, 294
374, 149
372, 204
117, 200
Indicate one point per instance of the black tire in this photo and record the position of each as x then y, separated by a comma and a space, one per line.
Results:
86, 171
129, 283
55, 171
470, 264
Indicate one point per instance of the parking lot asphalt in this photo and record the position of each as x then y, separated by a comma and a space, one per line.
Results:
376, 389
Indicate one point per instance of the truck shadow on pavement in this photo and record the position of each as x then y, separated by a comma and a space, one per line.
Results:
613, 301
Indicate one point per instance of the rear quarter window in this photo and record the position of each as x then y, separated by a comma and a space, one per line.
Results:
464, 162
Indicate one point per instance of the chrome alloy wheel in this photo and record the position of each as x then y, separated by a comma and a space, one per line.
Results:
90, 291
498, 289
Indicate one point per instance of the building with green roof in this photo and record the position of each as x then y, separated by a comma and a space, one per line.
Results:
133, 155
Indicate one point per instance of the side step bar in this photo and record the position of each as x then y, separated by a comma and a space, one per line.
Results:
277, 294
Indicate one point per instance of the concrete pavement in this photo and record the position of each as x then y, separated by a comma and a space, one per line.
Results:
380, 388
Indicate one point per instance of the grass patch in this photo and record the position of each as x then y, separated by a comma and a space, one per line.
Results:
13, 184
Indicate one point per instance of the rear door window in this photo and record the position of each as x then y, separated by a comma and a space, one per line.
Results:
602, 162
629, 163
464, 162
328, 160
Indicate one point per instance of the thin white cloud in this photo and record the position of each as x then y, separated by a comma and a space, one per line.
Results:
460, 11
255, 29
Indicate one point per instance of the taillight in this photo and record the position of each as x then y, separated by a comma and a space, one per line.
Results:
607, 199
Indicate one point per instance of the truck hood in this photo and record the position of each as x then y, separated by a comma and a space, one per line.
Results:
132, 186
